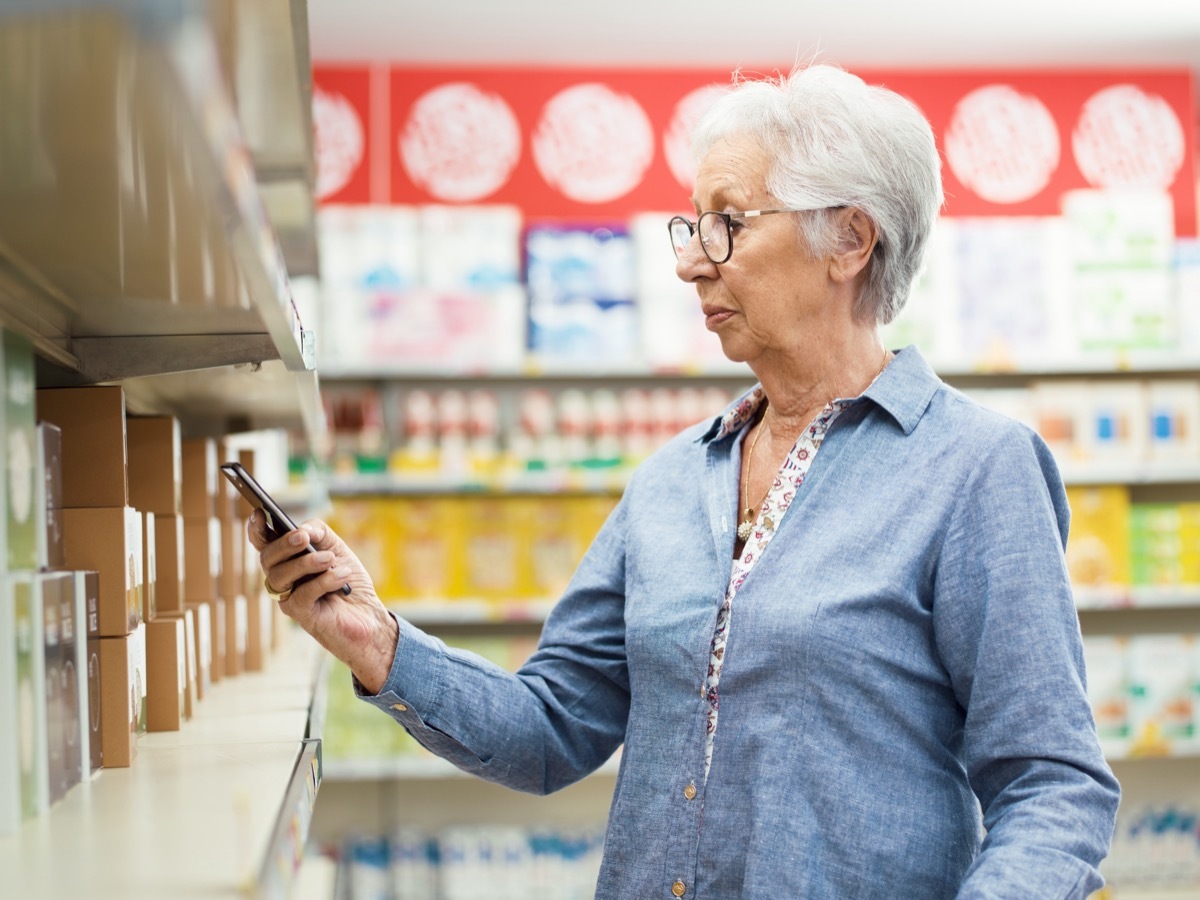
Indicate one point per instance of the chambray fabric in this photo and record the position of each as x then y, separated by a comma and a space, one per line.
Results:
903, 705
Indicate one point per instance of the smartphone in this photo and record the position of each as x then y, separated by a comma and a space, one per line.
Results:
279, 523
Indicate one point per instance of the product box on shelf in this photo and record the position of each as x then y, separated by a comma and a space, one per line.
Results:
491, 550
94, 448
203, 645
428, 550
582, 295
1163, 685
1121, 246
170, 588
48, 498
236, 625
230, 584
109, 541
1116, 423
1156, 544
166, 673
200, 474
1098, 551
21, 741
52, 678
32, 735
260, 611
70, 642
19, 452
187, 619
1173, 411
85, 598
155, 464
149, 567
218, 611
122, 696
1010, 303
202, 561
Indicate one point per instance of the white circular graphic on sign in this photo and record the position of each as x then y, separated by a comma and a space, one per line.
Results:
1002, 144
677, 139
1128, 138
339, 141
460, 143
593, 144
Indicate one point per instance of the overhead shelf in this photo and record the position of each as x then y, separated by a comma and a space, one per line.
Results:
138, 205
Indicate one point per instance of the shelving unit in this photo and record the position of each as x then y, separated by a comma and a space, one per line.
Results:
156, 200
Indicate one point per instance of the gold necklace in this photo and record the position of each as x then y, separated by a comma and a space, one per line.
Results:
746, 525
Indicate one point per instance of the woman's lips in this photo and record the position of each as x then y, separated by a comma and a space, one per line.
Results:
713, 317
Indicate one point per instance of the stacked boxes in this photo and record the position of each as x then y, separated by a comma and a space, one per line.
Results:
102, 532
103, 632
155, 467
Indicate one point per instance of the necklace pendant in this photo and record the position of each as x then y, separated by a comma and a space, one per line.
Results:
743, 531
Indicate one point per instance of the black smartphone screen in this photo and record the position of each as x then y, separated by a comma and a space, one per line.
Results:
279, 523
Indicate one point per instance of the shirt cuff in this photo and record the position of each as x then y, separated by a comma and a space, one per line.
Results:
413, 686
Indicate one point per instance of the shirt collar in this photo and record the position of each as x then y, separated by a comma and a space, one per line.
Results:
903, 390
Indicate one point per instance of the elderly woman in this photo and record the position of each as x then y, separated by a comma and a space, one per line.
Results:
831, 627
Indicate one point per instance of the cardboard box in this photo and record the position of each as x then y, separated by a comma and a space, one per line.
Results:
170, 589
259, 610
48, 505
200, 474
229, 500
202, 643
94, 450
19, 451
109, 541
149, 568
188, 618
202, 558
236, 626
122, 696
155, 464
84, 594
218, 612
166, 673
233, 557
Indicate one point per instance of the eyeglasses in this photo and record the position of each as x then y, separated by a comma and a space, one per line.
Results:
716, 231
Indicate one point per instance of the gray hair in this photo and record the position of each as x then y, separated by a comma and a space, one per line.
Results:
837, 141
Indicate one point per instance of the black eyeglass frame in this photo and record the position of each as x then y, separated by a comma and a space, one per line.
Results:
726, 217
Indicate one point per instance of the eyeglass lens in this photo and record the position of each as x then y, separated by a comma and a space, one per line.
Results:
714, 235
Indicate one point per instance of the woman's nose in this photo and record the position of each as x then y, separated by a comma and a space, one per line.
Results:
691, 261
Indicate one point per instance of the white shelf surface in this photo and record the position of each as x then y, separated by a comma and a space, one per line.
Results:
195, 815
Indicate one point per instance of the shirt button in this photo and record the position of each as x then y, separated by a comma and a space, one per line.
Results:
679, 889
690, 792
399, 707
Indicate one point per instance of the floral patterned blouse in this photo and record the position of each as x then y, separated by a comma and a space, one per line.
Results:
787, 482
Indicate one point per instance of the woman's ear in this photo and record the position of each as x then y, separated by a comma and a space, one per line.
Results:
857, 237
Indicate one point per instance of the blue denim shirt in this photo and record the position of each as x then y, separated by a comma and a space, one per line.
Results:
903, 707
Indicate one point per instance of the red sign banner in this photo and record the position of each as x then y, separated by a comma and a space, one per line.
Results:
590, 144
